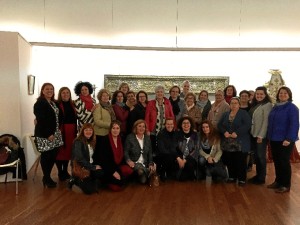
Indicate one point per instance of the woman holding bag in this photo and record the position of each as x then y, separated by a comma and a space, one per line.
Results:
82, 152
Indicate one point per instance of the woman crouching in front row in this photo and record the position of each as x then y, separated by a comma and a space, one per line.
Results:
138, 151
111, 157
82, 152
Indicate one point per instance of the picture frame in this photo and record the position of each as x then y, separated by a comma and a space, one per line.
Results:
31, 84
148, 82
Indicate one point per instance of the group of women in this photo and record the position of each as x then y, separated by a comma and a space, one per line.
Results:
180, 137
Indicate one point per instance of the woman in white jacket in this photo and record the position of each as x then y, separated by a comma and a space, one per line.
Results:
259, 111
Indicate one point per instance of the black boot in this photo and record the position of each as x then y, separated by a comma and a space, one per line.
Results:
48, 182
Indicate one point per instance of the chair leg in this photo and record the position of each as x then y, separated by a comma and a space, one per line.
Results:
17, 178
36, 167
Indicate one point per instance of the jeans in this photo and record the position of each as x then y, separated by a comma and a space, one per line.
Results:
260, 151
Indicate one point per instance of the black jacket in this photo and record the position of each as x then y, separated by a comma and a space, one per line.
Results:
45, 117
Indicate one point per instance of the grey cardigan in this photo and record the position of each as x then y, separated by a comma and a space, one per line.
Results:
260, 120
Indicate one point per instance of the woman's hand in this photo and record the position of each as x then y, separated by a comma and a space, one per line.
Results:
227, 134
130, 164
51, 137
259, 140
181, 162
117, 175
286, 143
234, 135
210, 160
98, 167
94, 107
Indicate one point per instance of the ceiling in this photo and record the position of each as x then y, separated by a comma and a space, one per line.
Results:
156, 23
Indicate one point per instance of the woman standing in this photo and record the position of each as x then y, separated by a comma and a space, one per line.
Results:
68, 130
204, 104
47, 134
259, 112
82, 151
178, 104
192, 110
235, 126
187, 149
283, 130
138, 151
111, 157
139, 111
156, 113
120, 111
103, 114
218, 108
85, 104
229, 92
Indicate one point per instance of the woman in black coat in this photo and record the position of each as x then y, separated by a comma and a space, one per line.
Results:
47, 134
111, 158
82, 152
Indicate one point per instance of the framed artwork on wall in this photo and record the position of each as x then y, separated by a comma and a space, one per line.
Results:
148, 83
30, 84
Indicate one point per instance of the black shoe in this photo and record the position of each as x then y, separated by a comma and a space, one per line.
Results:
274, 185
255, 180
282, 189
48, 182
252, 180
64, 176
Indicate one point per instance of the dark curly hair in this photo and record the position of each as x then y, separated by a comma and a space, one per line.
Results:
190, 119
80, 84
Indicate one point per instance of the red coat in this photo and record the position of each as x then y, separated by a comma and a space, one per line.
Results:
151, 113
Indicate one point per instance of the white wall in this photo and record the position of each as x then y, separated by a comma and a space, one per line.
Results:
247, 70
26, 101
9, 84
16, 105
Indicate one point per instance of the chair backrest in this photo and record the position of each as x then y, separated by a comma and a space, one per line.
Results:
32, 139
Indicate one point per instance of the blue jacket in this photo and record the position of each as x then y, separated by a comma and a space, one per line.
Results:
283, 123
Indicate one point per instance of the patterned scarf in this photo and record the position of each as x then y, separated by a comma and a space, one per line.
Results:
190, 107
88, 101
160, 119
202, 104
107, 106
117, 151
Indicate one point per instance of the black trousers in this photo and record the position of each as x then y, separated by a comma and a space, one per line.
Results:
167, 163
281, 157
48, 159
91, 184
236, 163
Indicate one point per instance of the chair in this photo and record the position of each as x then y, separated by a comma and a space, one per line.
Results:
16, 165
37, 162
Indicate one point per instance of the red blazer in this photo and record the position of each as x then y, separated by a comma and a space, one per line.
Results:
151, 113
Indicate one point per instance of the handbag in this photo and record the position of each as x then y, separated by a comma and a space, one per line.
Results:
4, 154
154, 180
79, 171
43, 144
230, 145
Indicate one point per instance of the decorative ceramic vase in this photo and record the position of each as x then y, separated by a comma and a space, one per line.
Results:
275, 83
